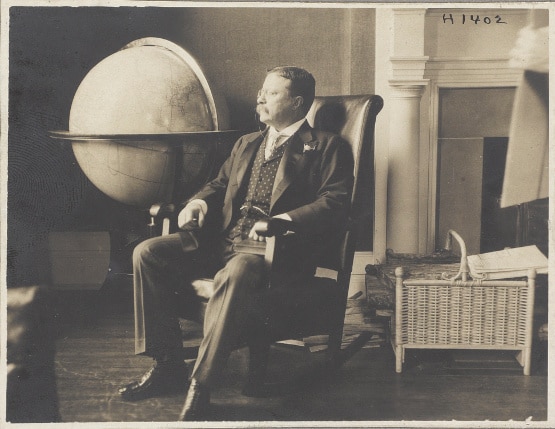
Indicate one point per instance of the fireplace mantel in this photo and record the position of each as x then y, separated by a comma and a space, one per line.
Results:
412, 62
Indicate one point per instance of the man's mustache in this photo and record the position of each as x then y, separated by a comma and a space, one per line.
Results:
261, 108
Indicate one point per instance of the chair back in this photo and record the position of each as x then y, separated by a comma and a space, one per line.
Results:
353, 117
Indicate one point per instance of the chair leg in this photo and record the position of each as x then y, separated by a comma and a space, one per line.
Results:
399, 359
334, 348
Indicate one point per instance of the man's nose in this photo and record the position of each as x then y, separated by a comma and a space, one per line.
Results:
260, 97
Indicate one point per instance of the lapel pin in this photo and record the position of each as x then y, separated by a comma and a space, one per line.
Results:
309, 147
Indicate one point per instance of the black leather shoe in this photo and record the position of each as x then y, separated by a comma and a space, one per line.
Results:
196, 403
162, 378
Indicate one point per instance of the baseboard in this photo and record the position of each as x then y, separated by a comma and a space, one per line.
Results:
360, 261
358, 282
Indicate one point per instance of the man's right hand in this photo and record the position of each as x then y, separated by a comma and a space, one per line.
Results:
192, 215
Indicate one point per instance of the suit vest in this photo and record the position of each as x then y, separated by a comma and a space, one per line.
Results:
259, 191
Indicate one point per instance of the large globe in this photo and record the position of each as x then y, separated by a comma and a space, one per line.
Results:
145, 124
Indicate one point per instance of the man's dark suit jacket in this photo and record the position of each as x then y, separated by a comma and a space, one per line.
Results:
313, 185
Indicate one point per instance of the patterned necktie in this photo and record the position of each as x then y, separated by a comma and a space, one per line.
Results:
273, 145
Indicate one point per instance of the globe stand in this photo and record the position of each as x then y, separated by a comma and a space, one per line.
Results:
196, 158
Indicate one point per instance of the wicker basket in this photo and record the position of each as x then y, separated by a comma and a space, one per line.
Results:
463, 313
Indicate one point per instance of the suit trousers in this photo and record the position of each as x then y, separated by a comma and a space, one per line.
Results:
163, 268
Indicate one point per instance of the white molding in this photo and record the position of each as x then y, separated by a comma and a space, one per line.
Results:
407, 88
357, 282
408, 68
470, 72
409, 58
408, 32
432, 166
384, 46
464, 60
360, 261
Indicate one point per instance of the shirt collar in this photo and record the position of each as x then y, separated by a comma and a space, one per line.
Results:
287, 131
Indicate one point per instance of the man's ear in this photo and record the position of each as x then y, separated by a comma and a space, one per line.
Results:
299, 101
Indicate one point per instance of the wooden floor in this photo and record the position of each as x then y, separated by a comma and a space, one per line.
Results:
95, 356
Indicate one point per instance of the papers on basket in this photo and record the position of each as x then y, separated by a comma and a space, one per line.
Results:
507, 263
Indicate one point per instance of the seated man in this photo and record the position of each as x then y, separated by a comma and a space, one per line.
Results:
289, 171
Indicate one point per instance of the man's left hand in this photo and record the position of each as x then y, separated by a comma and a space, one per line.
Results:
261, 226
254, 236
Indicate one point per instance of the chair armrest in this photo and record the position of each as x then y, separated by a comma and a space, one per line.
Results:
272, 226
269, 252
163, 211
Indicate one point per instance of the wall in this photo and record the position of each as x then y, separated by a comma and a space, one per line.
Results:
237, 45
52, 49
472, 33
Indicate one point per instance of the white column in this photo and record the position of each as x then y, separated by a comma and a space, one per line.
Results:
384, 37
406, 84
403, 177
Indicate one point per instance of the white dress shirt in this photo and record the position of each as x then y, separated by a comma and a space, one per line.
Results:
283, 136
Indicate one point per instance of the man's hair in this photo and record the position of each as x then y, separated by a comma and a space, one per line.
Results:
302, 83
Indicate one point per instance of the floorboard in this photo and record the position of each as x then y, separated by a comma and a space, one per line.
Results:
95, 356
